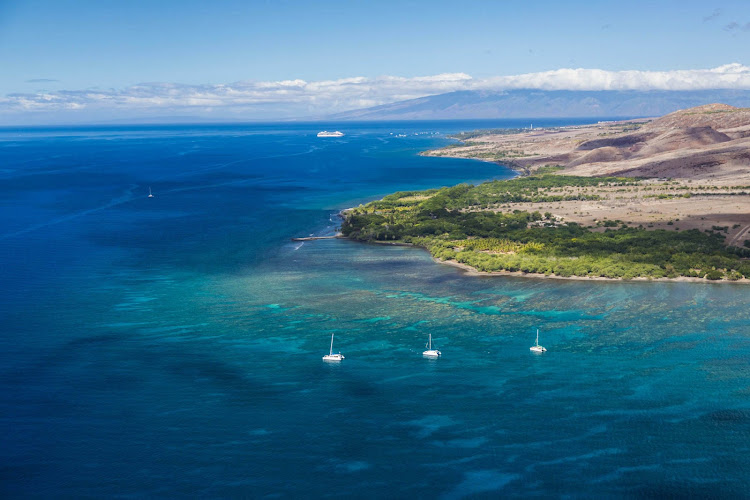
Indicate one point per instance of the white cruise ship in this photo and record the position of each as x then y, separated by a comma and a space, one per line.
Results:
326, 133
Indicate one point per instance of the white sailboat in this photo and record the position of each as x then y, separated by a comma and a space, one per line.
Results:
430, 352
150, 195
331, 356
536, 347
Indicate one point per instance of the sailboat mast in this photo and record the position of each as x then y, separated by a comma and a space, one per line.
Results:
331, 351
537, 336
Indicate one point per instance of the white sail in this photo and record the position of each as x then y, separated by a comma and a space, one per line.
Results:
430, 352
536, 347
331, 356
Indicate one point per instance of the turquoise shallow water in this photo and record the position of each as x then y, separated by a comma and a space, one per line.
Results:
172, 346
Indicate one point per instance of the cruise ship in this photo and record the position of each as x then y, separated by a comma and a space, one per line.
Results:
326, 133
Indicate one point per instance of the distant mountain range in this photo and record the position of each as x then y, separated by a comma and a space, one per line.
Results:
473, 104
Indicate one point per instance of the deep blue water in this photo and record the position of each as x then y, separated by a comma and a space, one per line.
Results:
171, 346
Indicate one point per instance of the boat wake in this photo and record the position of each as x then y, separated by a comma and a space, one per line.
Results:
125, 198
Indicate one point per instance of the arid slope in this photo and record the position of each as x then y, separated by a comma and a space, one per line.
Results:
704, 152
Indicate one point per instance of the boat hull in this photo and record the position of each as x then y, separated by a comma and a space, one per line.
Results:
333, 357
433, 353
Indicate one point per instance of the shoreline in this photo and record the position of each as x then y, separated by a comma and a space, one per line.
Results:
471, 271
520, 170
668, 198
313, 238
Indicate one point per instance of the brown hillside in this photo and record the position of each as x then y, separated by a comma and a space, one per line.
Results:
707, 142
599, 155
716, 116
710, 142
696, 165
622, 141
684, 138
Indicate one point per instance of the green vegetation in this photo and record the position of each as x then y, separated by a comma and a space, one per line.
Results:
491, 131
462, 145
632, 127
533, 189
454, 223
664, 196
620, 128
499, 155
548, 169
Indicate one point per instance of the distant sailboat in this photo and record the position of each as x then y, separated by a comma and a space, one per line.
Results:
331, 356
150, 195
430, 352
536, 347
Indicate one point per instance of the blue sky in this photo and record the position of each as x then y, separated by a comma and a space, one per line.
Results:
80, 59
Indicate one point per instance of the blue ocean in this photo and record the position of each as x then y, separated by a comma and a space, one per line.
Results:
170, 346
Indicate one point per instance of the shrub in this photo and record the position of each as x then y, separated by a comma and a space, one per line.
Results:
715, 274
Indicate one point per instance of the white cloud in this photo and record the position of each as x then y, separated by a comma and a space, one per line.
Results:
286, 98
729, 76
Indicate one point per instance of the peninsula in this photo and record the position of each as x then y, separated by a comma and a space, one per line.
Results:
667, 198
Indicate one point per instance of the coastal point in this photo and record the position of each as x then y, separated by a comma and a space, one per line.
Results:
667, 198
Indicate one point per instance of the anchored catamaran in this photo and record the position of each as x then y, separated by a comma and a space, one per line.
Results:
430, 352
536, 347
331, 356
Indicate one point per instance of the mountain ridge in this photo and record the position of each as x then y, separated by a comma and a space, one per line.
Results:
532, 103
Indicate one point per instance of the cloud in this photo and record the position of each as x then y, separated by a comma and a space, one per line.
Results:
42, 80
290, 97
729, 76
735, 26
716, 13
296, 97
